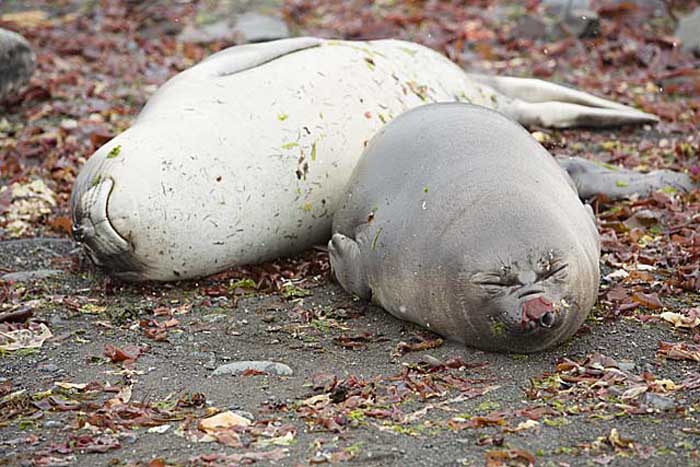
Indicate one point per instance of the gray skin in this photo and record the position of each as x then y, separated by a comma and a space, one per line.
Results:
17, 62
458, 220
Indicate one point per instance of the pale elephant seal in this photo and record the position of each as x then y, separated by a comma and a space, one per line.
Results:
455, 218
244, 157
17, 62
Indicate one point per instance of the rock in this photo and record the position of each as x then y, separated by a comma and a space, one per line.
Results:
576, 18
236, 368
627, 366
52, 424
17, 62
658, 402
581, 23
688, 32
48, 367
248, 27
218, 31
26, 276
556, 7
257, 27
529, 27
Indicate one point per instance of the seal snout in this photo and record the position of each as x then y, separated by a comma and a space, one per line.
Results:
538, 311
94, 231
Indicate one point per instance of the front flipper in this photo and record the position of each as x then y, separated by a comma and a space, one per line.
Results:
593, 178
538, 102
243, 57
346, 262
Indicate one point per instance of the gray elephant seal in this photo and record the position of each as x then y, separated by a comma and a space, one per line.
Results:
458, 220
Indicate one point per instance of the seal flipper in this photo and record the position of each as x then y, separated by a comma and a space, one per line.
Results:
538, 102
243, 57
593, 178
346, 262
537, 90
555, 114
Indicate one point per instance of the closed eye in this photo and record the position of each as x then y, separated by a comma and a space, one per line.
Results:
553, 272
496, 282
492, 283
490, 280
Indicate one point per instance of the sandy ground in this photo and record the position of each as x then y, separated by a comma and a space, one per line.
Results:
266, 327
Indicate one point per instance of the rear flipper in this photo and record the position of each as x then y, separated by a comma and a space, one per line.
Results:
538, 102
346, 262
593, 178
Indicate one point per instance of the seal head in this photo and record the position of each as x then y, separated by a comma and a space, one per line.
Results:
458, 220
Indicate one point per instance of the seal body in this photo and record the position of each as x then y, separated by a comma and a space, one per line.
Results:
455, 218
244, 157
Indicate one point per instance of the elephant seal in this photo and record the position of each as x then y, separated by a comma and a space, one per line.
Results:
244, 157
456, 219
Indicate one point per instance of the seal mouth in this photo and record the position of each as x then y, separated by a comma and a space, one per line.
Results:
93, 229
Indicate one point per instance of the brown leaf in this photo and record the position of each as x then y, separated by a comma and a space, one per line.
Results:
650, 301
679, 351
509, 457
419, 343
62, 224
116, 354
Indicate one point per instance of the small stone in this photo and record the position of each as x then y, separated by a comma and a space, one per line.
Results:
236, 368
26, 276
69, 124
432, 361
626, 366
658, 402
51, 424
529, 27
49, 368
211, 363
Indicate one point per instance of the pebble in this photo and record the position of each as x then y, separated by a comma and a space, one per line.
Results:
658, 402
236, 368
49, 368
627, 366
52, 424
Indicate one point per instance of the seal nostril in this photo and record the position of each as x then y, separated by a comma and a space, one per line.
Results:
78, 233
547, 320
